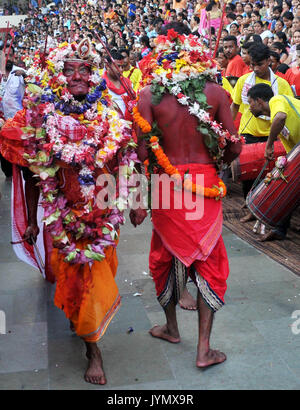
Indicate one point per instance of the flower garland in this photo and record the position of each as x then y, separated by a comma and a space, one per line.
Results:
163, 161
181, 66
85, 135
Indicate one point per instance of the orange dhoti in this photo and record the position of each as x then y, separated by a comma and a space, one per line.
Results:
87, 293
182, 248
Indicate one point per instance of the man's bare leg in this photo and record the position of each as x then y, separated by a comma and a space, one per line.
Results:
94, 373
187, 301
205, 355
169, 331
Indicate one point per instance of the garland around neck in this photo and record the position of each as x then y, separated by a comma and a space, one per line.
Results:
181, 66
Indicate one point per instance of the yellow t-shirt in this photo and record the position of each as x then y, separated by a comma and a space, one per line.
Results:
227, 86
290, 135
249, 124
135, 77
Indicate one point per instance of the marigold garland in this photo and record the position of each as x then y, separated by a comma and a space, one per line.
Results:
215, 192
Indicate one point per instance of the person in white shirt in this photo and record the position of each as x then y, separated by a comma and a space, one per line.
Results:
13, 88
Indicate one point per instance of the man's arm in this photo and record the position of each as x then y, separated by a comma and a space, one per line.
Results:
234, 108
276, 128
137, 216
224, 116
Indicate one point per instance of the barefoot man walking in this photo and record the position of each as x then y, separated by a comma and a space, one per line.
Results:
182, 98
73, 138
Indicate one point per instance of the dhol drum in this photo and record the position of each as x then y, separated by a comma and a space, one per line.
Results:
274, 198
251, 161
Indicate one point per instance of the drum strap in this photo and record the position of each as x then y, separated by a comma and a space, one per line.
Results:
256, 182
292, 105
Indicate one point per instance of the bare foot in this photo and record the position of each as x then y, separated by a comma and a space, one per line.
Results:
95, 373
162, 332
187, 301
247, 218
210, 358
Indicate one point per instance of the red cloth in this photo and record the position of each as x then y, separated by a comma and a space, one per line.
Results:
297, 84
11, 143
236, 67
197, 244
280, 75
291, 74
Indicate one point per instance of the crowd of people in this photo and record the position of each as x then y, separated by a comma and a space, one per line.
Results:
67, 50
134, 24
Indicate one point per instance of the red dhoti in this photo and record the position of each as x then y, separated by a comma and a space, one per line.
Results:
183, 247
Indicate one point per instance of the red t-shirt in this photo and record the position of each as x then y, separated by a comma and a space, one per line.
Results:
291, 74
236, 67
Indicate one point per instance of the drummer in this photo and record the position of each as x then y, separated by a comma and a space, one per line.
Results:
284, 113
255, 129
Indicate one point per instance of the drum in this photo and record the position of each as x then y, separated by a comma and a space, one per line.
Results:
272, 201
251, 161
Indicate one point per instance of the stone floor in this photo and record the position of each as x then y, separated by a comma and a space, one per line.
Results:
255, 328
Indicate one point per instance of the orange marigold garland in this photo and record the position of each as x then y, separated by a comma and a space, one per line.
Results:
215, 192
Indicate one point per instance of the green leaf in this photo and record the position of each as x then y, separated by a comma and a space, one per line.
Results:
203, 130
34, 89
200, 97
93, 255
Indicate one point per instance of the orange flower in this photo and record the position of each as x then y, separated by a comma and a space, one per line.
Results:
215, 192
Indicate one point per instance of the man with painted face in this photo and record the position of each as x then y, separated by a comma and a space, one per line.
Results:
255, 129
75, 143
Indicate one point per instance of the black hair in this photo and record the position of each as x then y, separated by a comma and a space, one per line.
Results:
116, 55
277, 8
279, 45
253, 37
231, 16
256, 13
220, 51
230, 38
145, 40
259, 52
259, 22
288, 15
282, 68
263, 91
275, 55
124, 50
247, 45
210, 5
177, 26
282, 36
